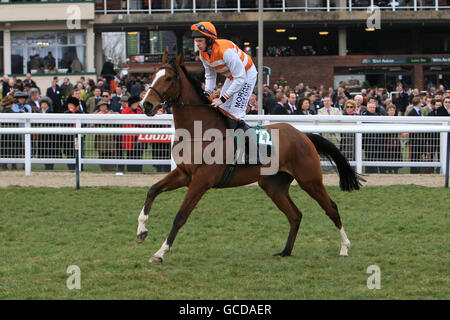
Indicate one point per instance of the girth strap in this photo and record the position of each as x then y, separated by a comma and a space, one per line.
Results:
230, 170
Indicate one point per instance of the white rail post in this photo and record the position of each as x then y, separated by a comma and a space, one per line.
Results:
105, 5
284, 5
194, 5
149, 6
27, 163
358, 151
350, 5
328, 5
173, 165
239, 6
128, 6
80, 144
171, 6
215, 6
443, 151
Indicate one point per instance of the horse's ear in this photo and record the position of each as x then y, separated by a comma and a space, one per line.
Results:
165, 58
180, 60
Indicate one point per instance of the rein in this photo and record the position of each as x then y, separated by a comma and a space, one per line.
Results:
166, 104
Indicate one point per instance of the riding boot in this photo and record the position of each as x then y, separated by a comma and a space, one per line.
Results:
231, 123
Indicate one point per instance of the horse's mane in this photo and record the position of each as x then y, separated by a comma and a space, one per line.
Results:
195, 83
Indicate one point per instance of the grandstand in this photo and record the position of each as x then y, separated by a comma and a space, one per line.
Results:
368, 43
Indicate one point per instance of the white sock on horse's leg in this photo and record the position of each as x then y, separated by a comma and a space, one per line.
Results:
142, 219
345, 243
164, 248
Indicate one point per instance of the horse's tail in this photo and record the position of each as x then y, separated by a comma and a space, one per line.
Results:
348, 179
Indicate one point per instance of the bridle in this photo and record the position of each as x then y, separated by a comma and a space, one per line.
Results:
166, 104
172, 101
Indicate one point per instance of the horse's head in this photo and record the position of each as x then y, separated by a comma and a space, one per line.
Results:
164, 89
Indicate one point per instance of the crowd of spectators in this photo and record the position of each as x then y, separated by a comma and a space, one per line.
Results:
107, 95
110, 95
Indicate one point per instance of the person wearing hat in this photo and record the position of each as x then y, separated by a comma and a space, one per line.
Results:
45, 104
7, 140
21, 106
7, 103
106, 144
220, 56
47, 145
15, 142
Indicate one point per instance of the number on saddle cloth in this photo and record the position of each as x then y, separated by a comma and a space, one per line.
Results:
252, 145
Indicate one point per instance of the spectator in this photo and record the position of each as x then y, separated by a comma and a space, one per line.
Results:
269, 103
278, 108
371, 141
28, 81
130, 144
94, 100
21, 106
66, 88
76, 66
340, 104
46, 146
327, 109
67, 142
7, 141
315, 103
252, 107
392, 144
416, 143
34, 100
290, 105
113, 107
119, 93
380, 108
401, 100
17, 141
5, 86
123, 103
83, 93
108, 71
81, 104
54, 93
304, 107
350, 108
348, 139
105, 143
49, 61
444, 110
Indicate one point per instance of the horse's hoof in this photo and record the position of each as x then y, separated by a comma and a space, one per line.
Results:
282, 254
155, 260
142, 236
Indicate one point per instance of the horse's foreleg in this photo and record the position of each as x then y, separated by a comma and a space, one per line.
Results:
174, 180
195, 192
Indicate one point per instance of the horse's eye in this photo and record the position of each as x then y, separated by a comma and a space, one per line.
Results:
169, 79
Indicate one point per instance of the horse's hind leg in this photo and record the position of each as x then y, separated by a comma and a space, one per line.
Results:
316, 190
277, 188
174, 180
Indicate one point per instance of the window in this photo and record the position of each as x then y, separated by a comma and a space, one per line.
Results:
48, 52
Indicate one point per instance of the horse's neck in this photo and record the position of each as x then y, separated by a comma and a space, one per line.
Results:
185, 116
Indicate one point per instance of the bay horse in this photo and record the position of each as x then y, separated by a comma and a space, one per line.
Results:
298, 159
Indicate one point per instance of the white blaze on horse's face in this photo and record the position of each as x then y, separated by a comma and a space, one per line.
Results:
158, 75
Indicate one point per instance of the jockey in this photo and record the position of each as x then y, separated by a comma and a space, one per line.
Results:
224, 57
